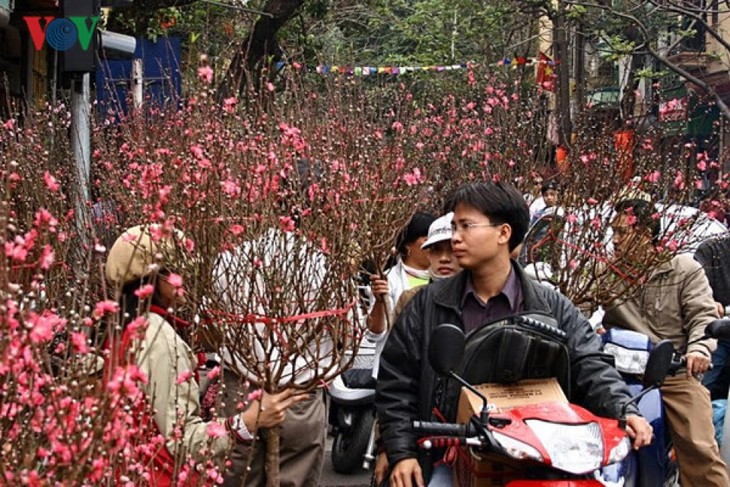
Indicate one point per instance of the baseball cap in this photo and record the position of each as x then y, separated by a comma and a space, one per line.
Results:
439, 230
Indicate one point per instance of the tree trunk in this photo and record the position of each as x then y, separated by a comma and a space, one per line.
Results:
562, 60
257, 47
271, 464
628, 98
579, 71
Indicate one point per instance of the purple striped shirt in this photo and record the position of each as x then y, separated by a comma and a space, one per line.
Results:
477, 313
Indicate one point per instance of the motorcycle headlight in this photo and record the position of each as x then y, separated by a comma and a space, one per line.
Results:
619, 451
516, 448
573, 448
627, 360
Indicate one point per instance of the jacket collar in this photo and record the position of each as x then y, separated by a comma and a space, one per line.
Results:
178, 323
663, 268
452, 290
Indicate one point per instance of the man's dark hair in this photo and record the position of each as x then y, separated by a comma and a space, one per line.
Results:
500, 202
644, 213
547, 186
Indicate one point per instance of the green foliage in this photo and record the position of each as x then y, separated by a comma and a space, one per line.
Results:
422, 31
630, 24
165, 18
577, 12
366, 32
650, 73
213, 27
619, 47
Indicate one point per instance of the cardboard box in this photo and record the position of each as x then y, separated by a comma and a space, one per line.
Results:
503, 397
495, 470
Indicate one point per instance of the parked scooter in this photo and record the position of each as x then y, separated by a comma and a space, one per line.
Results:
553, 444
352, 411
655, 464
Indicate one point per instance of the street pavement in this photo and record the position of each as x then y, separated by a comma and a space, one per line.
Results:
330, 478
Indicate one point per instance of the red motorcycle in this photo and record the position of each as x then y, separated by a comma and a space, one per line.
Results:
546, 444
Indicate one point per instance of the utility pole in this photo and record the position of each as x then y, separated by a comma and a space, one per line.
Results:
137, 82
81, 132
454, 33
76, 64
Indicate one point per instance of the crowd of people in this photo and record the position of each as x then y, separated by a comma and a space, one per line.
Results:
456, 268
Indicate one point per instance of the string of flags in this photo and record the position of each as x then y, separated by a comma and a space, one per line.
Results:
368, 70
396, 70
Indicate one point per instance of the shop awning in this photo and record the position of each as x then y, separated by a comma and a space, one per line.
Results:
684, 112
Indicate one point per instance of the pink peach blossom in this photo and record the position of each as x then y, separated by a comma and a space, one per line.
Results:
144, 291
104, 307
50, 182
78, 341
205, 74
47, 257
175, 280
43, 326
184, 376
216, 430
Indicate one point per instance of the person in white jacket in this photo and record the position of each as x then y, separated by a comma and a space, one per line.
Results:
410, 270
280, 275
442, 265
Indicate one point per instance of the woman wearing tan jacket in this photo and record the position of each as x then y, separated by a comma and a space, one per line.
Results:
156, 345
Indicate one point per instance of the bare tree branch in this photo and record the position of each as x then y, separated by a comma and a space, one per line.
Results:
672, 66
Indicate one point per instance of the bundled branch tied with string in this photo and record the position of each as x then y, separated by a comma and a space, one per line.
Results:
314, 198
576, 240
317, 195
282, 305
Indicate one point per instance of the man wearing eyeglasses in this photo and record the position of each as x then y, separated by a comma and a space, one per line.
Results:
490, 221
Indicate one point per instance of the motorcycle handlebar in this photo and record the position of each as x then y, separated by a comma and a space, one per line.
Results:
430, 428
679, 363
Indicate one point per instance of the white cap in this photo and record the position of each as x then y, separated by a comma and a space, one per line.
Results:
439, 230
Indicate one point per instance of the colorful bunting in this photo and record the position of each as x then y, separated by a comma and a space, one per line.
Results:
396, 70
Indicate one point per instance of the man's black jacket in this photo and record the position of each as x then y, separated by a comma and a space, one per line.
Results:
406, 381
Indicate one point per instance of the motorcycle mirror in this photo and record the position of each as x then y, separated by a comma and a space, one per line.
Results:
445, 353
659, 363
446, 349
718, 329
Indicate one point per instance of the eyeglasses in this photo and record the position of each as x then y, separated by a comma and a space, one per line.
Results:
466, 226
